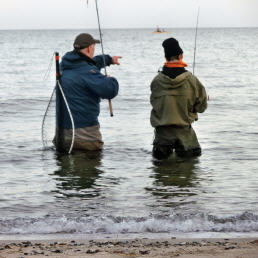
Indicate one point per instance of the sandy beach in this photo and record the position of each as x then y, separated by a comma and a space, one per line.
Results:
184, 248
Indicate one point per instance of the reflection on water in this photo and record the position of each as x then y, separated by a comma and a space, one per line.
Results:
175, 172
175, 182
77, 174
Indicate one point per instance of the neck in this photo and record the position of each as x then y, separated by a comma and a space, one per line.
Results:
85, 57
173, 61
85, 52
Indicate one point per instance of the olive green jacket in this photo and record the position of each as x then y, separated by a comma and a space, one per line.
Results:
176, 101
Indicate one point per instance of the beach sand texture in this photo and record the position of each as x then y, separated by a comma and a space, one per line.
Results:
184, 248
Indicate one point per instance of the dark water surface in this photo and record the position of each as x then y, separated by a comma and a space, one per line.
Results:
122, 190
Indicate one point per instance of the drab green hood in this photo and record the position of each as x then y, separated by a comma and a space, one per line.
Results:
166, 84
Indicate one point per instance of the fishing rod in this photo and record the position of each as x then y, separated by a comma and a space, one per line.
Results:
102, 48
195, 43
60, 98
60, 101
59, 111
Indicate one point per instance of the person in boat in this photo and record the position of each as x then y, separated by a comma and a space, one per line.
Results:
84, 86
176, 98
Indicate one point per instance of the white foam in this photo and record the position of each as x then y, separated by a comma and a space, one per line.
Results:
177, 223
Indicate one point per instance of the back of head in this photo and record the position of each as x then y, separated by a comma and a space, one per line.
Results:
84, 40
171, 48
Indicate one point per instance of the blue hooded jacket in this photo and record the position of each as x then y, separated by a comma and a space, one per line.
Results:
84, 86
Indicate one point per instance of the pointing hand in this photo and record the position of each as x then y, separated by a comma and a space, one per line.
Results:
115, 60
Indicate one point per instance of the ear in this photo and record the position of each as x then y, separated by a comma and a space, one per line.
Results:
181, 56
87, 50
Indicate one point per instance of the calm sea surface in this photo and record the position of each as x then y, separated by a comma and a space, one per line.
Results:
123, 191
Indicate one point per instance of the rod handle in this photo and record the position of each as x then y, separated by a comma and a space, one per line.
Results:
110, 107
57, 66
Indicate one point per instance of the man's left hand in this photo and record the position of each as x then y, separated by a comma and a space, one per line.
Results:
115, 60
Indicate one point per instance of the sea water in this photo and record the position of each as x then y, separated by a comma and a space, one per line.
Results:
123, 191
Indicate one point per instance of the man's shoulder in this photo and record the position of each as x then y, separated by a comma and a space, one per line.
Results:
70, 55
158, 76
194, 80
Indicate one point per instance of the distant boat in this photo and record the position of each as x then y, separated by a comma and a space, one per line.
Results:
158, 30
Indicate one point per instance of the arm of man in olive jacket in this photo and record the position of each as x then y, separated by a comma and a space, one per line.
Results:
201, 98
103, 86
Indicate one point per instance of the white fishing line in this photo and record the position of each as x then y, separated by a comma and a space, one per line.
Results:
51, 100
70, 114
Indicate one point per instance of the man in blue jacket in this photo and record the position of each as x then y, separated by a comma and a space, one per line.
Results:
84, 86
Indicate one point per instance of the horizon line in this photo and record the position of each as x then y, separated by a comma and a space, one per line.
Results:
134, 28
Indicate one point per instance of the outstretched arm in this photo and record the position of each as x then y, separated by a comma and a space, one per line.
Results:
107, 59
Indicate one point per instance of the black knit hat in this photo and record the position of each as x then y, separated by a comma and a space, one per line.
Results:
171, 48
84, 40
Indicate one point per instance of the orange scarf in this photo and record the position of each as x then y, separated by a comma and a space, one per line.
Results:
179, 63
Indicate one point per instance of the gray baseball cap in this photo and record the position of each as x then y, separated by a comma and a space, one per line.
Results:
84, 40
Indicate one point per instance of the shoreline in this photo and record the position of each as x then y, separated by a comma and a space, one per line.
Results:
138, 247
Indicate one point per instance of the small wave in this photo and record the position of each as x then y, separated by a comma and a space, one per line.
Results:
177, 223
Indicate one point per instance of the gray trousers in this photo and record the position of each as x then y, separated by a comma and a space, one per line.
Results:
87, 138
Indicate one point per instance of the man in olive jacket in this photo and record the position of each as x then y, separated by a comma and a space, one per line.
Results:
176, 98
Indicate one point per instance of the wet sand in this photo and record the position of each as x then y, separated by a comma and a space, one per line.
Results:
184, 248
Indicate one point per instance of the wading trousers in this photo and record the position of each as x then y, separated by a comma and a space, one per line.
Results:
181, 139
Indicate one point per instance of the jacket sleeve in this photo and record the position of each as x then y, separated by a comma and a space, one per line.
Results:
100, 62
104, 87
201, 98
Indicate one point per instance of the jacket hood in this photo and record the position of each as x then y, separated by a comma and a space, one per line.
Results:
73, 60
169, 83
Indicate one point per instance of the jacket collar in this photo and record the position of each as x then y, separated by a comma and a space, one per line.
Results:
173, 72
85, 58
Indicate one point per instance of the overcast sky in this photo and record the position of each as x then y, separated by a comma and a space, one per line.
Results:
69, 14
